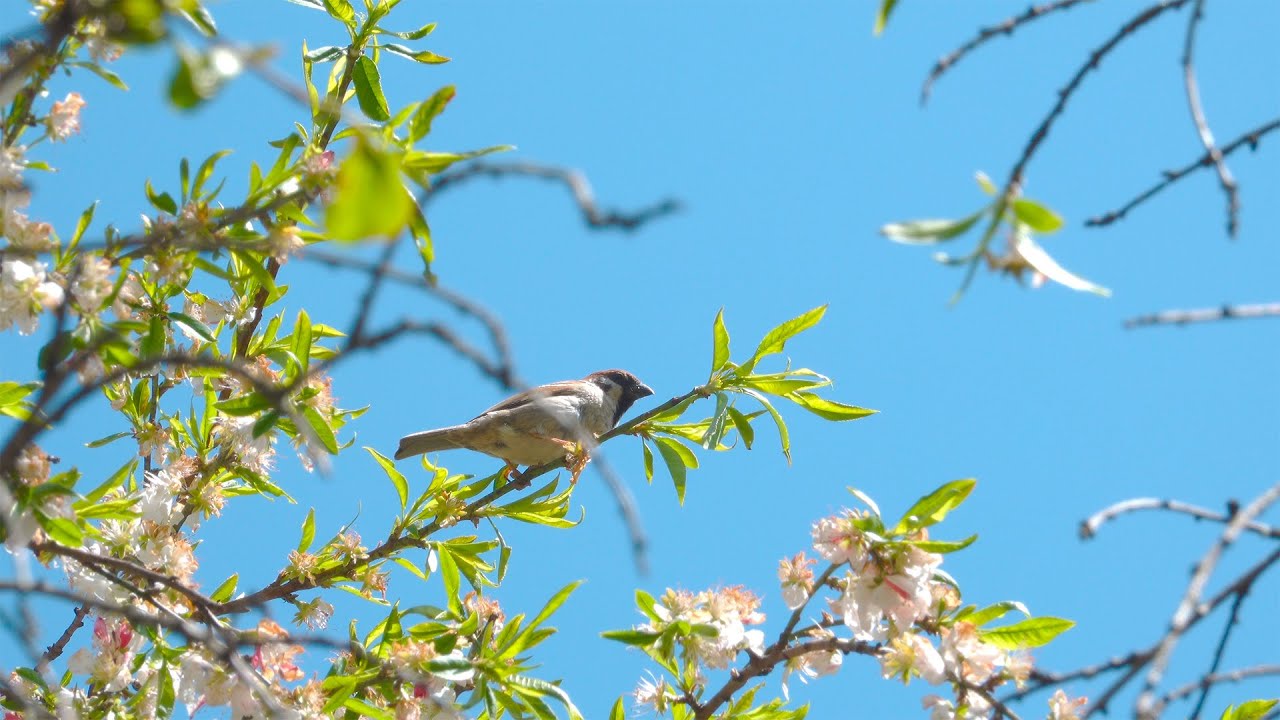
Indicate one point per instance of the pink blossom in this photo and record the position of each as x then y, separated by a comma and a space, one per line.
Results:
1062, 707
64, 117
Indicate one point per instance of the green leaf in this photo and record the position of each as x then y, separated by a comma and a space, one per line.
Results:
776, 339
11, 393
985, 183
369, 89
828, 409
635, 638
995, 612
943, 547
226, 589
324, 432
108, 439
928, 232
1251, 710
325, 53
1036, 216
1032, 632
451, 577
419, 161
418, 34
308, 531
783, 436
116, 480
422, 56
62, 530
882, 15
341, 10
355, 704
161, 201
153, 342
196, 326
743, 425
428, 111
397, 479
302, 340
244, 405
671, 454
720, 343
932, 508
370, 200
619, 711
648, 461
103, 73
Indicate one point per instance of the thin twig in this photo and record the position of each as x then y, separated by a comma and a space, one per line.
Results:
1094, 60
1225, 179
1185, 317
572, 179
1250, 139
505, 370
1190, 604
1233, 618
1089, 527
1007, 27
1217, 678
55, 650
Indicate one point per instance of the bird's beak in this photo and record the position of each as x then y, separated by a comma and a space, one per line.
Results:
644, 390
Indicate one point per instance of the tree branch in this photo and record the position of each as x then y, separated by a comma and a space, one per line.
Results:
1007, 27
1250, 139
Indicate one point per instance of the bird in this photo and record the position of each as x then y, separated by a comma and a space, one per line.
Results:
559, 420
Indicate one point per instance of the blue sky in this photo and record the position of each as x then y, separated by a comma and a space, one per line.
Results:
790, 135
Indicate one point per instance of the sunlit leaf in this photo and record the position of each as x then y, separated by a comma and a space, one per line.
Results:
1032, 632
368, 85
927, 232
1036, 216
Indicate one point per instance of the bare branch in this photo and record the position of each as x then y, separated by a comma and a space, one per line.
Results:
1095, 58
1212, 679
575, 181
1250, 139
1089, 527
1007, 27
1189, 607
1202, 125
1185, 317
1233, 618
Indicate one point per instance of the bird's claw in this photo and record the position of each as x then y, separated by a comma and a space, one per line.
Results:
508, 474
576, 461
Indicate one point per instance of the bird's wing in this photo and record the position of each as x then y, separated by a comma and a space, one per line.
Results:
550, 390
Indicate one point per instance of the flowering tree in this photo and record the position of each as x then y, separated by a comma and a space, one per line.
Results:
212, 389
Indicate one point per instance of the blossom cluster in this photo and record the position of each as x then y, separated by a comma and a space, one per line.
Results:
886, 597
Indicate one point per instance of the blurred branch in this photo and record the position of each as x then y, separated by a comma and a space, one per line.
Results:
1209, 681
1190, 611
1233, 620
1190, 606
1184, 317
1007, 27
1089, 527
1095, 58
1250, 138
575, 181
1225, 179
506, 375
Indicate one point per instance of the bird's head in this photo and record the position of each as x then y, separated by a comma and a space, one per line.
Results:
622, 387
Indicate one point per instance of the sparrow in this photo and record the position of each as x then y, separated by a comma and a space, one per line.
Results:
540, 425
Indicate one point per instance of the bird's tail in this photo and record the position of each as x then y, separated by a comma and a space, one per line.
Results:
425, 442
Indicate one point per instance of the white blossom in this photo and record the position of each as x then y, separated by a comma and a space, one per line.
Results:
24, 290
